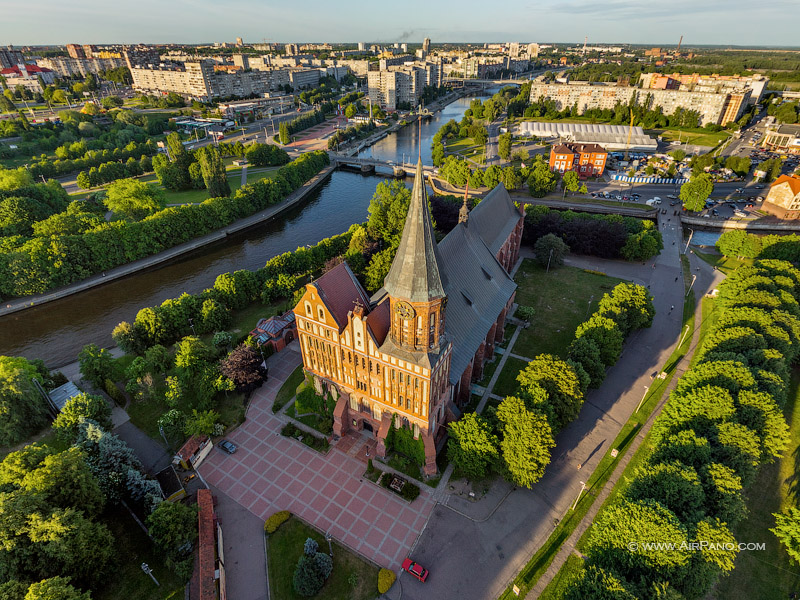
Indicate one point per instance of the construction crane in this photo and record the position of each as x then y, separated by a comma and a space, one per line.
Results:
585, 40
678, 51
628, 141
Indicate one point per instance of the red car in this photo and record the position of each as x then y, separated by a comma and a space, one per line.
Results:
415, 569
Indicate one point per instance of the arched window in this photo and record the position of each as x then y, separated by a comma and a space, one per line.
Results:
309, 312
321, 314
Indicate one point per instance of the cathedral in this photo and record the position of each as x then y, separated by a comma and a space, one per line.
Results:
405, 357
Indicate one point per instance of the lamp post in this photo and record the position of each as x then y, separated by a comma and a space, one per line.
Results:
689, 241
694, 278
589, 306
642, 400
548, 259
146, 568
583, 487
191, 324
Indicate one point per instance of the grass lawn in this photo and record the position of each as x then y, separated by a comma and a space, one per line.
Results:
558, 587
768, 574
696, 137
132, 549
284, 548
288, 389
506, 384
489, 369
562, 299
726, 264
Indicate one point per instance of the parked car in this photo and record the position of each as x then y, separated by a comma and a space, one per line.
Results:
227, 446
415, 569
715, 212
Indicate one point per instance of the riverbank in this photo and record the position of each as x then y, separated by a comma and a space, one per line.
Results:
142, 264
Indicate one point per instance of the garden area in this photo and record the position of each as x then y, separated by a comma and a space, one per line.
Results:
348, 576
561, 300
696, 136
313, 409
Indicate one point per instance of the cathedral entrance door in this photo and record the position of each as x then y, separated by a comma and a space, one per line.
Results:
368, 427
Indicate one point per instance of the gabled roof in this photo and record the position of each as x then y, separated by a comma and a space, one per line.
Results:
478, 289
379, 322
562, 149
339, 290
415, 273
494, 218
30, 69
794, 183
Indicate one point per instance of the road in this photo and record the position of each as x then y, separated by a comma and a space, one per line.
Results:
474, 556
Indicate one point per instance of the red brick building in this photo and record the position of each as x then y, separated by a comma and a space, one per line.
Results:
406, 356
277, 332
588, 160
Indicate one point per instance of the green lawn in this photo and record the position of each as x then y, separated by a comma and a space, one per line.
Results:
288, 389
506, 384
284, 548
768, 574
562, 299
133, 548
558, 587
696, 137
726, 264
489, 369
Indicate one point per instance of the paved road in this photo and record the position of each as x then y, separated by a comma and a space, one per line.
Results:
453, 544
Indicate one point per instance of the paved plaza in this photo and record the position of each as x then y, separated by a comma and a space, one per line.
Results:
271, 473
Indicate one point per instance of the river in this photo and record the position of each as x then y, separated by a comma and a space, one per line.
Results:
56, 331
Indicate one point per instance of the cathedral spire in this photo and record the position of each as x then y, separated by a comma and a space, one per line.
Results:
463, 214
415, 275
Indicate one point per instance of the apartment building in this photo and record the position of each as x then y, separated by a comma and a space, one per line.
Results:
395, 86
10, 58
588, 160
783, 199
303, 79
28, 77
714, 83
67, 66
713, 107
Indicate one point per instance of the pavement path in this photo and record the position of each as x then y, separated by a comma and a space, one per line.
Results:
519, 523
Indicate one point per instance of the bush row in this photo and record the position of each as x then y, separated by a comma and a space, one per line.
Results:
41, 264
598, 340
209, 311
607, 236
93, 158
741, 244
721, 422
113, 170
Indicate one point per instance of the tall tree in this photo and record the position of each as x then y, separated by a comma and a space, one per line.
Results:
696, 191
22, 407
472, 447
134, 199
527, 441
214, 175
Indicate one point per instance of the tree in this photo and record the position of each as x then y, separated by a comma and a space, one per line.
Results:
511, 178
550, 251
597, 584
787, 530
96, 364
351, 111
387, 212
606, 334
313, 568
214, 175
134, 199
504, 146
191, 355
243, 367
492, 176
378, 268
675, 486
55, 588
678, 155
201, 422
172, 525
584, 351
550, 381
472, 447
82, 406
283, 133
541, 180
570, 182
527, 441
21, 405
696, 191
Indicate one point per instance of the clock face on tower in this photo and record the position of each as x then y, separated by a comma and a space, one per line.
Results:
404, 310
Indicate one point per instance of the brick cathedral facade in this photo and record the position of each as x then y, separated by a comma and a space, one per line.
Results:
405, 357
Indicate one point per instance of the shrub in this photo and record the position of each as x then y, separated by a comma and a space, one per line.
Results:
114, 392
386, 578
409, 491
276, 520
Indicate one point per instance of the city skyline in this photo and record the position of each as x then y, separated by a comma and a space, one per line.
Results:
615, 21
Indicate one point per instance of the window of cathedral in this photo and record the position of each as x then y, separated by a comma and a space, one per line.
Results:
321, 314
309, 312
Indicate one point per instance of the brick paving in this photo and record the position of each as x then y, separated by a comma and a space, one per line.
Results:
271, 473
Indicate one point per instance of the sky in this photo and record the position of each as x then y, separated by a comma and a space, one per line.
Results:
655, 22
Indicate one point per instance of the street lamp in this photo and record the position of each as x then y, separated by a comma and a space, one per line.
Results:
694, 277
146, 568
689, 241
191, 324
583, 487
589, 306
642, 400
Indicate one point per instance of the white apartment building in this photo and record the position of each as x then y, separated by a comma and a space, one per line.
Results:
67, 67
713, 107
396, 85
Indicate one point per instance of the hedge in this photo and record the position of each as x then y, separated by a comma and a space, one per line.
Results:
38, 265
386, 579
276, 520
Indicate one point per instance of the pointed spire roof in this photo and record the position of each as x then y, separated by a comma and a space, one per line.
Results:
415, 274
463, 213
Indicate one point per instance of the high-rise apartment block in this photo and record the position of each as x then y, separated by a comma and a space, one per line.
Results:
395, 86
292, 49
426, 45
719, 108
68, 66
10, 58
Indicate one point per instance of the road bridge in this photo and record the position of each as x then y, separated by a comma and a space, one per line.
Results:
368, 164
